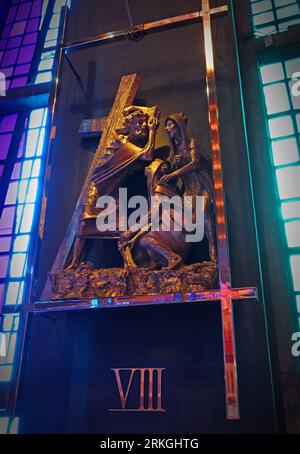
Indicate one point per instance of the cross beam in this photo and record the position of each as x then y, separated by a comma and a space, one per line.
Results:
226, 294
135, 30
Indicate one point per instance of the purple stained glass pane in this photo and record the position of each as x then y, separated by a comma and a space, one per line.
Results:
5, 140
31, 38
7, 71
5, 242
19, 82
8, 123
3, 265
26, 54
16, 172
7, 220
2, 290
10, 57
1, 55
6, 31
22, 69
33, 25
18, 28
8, 83
3, 44
23, 11
21, 146
14, 42
11, 14
36, 8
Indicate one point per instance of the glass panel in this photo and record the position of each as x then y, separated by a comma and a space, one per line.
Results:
272, 73
276, 98
281, 127
292, 230
4, 259
285, 151
295, 265
288, 182
291, 210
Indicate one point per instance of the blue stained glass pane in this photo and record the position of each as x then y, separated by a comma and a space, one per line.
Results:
55, 21
32, 191
23, 191
11, 348
50, 44
17, 265
44, 77
52, 34
14, 426
31, 144
14, 294
26, 169
21, 243
5, 373
11, 196
40, 148
36, 168
36, 118
4, 425
46, 64
24, 218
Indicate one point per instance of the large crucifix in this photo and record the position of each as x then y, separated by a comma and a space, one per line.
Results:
226, 294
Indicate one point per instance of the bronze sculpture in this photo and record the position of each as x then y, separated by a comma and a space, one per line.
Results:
165, 248
134, 142
154, 261
192, 167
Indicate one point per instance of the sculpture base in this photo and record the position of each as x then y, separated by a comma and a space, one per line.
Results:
86, 282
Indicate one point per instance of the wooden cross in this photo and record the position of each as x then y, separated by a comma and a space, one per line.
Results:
226, 294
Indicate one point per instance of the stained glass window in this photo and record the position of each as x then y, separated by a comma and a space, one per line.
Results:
272, 16
18, 41
17, 217
282, 104
22, 62
19, 38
